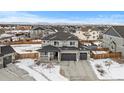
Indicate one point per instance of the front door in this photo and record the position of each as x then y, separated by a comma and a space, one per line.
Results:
56, 55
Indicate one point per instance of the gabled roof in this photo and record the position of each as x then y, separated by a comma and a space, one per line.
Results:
38, 28
68, 48
60, 36
120, 30
48, 48
117, 31
6, 50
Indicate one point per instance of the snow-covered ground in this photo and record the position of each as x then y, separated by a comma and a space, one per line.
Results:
43, 72
106, 69
99, 52
98, 43
26, 48
52, 72
18, 31
25, 64
6, 35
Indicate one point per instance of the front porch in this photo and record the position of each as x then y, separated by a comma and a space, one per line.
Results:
50, 56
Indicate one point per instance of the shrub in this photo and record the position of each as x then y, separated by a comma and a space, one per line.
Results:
101, 71
98, 66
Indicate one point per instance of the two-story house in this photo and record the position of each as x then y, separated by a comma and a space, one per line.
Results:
38, 32
7, 55
113, 38
62, 46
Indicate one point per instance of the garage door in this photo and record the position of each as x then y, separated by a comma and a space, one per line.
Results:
68, 57
7, 60
83, 56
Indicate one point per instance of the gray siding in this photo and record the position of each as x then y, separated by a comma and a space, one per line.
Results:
61, 43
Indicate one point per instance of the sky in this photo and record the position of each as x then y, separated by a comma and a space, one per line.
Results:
84, 17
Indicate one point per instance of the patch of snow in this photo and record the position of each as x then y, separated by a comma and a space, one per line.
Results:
97, 43
99, 52
25, 65
26, 62
52, 73
6, 35
26, 48
112, 69
42, 71
18, 31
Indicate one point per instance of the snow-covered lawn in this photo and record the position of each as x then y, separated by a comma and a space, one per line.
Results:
25, 48
25, 64
107, 69
41, 72
6, 35
50, 71
99, 52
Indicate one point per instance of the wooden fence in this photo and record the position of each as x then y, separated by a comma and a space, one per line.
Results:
27, 55
107, 55
102, 49
21, 42
25, 42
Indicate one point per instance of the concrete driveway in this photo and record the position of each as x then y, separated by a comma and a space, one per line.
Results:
78, 71
13, 73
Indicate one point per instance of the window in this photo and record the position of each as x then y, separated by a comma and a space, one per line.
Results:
56, 43
72, 43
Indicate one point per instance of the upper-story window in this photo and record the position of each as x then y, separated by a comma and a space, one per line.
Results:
56, 43
72, 43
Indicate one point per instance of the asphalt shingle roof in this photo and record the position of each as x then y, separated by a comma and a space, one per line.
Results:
38, 28
116, 31
6, 50
60, 36
120, 30
48, 48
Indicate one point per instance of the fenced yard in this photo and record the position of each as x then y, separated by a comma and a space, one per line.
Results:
27, 55
107, 55
102, 49
30, 41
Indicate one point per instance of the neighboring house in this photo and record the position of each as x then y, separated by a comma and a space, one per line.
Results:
4, 38
19, 27
113, 38
7, 55
62, 46
88, 33
38, 32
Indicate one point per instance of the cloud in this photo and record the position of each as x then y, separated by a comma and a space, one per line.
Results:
14, 16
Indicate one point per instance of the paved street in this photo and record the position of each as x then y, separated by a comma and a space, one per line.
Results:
78, 71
